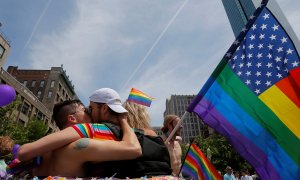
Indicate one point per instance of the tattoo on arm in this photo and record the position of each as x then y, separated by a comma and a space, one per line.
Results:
82, 143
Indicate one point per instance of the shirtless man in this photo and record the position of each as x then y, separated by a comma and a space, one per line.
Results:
68, 160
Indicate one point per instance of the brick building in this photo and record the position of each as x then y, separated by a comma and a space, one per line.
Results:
30, 106
49, 86
38, 90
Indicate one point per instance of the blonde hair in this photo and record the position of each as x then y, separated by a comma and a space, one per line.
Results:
138, 116
6, 145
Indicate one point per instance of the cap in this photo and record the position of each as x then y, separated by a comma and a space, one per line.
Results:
109, 97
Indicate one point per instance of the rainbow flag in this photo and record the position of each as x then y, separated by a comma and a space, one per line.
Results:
139, 97
253, 97
198, 166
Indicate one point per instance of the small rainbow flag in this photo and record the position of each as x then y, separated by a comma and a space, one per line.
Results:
139, 97
198, 166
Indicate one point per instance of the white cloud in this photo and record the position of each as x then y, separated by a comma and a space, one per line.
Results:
290, 9
104, 41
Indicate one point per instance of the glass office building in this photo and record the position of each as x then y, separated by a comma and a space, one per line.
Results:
238, 12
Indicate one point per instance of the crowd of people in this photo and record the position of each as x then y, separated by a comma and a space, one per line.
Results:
105, 139
239, 175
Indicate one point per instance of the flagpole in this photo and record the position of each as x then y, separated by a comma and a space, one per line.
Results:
176, 127
192, 140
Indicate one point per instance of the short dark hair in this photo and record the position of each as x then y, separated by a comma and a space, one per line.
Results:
62, 110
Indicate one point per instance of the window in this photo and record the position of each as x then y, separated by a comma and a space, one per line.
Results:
52, 83
39, 94
33, 83
49, 94
21, 122
39, 115
24, 82
42, 83
25, 108
1, 51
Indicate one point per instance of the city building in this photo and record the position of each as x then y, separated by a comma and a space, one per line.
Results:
4, 48
38, 91
192, 124
49, 86
30, 107
239, 11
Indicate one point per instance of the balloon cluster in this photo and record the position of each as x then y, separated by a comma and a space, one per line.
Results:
7, 94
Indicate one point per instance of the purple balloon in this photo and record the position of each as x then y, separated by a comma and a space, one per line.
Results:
7, 94
15, 150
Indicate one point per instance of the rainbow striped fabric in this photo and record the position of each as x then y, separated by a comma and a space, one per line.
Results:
139, 97
94, 131
198, 166
253, 98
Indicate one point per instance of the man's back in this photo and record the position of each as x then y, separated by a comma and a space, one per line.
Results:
54, 164
68, 160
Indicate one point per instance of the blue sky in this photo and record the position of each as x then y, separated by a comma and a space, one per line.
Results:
159, 47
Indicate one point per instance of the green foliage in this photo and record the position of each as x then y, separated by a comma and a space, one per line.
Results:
17, 132
10, 128
222, 153
184, 149
34, 130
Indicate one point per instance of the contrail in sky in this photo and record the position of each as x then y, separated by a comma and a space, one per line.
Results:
154, 44
37, 24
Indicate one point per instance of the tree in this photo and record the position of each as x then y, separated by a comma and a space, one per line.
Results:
11, 128
36, 129
184, 149
222, 152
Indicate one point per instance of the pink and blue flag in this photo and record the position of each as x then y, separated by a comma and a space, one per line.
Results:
253, 97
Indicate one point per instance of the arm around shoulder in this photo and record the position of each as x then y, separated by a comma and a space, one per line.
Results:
47, 143
99, 151
130, 140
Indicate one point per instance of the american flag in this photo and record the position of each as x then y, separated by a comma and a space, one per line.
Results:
265, 55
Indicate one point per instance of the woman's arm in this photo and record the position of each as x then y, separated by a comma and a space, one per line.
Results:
98, 151
47, 143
